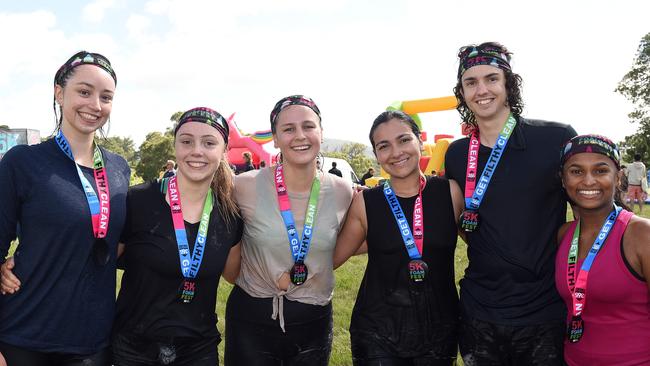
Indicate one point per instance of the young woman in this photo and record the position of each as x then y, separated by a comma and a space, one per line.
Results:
603, 262
68, 197
406, 311
280, 311
181, 234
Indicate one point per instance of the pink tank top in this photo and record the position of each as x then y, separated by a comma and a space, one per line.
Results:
617, 311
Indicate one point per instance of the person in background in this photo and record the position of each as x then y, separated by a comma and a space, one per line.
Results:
511, 313
335, 170
608, 321
169, 169
248, 162
69, 197
280, 311
368, 174
636, 174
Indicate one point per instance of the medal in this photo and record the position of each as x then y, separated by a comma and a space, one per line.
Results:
187, 290
418, 270
576, 329
298, 273
299, 246
100, 251
469, 221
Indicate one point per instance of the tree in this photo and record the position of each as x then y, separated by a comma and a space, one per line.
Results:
156, 149
355, 154
123, 146
635, 86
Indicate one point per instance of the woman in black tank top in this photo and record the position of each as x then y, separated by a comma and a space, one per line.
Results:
404, 314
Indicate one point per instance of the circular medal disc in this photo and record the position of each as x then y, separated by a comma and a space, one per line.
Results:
576, 329
187, 290
418, 270
298, 273
468, 221
100, 251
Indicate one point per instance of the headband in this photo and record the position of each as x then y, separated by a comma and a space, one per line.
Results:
84, 58
205, 115
489, 54
591, 144
293, 100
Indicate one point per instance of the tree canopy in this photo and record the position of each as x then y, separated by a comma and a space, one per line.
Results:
353, 153
635, 86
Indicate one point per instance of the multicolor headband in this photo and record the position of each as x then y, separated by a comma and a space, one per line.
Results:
84, 58
485, 54
591, 144
292, 100
205, 115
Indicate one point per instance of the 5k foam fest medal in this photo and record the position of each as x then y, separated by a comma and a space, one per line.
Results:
100, 208
299, 248
413, 241
578, 286
474, 193
189, 265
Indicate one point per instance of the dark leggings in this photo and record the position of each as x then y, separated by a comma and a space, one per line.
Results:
17, 356
487, 344
255, 343
369, 350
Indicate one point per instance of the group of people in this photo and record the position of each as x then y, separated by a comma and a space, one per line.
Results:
279, 232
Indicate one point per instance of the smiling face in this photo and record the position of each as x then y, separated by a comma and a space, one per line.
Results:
298, 135
590, 180
484, 91
199, 149
86, 100
397, 148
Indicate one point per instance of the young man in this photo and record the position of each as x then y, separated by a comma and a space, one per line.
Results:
514, 204
636, 172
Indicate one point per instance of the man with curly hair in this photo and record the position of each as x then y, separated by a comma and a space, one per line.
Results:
514, 204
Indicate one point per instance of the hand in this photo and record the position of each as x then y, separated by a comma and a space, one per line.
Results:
9, 283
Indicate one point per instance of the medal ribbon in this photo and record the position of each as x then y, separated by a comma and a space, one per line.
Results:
299, 249
578, 287
473, 196
189, 266
100, 208
413, 241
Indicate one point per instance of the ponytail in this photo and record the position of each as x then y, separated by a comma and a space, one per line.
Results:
223, 186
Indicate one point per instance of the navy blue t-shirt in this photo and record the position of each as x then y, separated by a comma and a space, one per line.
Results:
510, 276
66, 302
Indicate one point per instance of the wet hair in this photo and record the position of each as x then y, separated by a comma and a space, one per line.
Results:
67, 70
285, 102
513, 86
390, 115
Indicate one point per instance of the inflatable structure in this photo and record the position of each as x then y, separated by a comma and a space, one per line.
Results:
239, 142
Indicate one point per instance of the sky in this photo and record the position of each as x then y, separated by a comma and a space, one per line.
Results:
353, 57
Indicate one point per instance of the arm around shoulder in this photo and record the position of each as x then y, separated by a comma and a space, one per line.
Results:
353, 233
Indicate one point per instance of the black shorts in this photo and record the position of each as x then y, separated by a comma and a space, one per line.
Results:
18, 356
485, 344
368, 349
133, 350
254, 341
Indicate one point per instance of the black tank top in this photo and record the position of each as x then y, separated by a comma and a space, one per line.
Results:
409, 318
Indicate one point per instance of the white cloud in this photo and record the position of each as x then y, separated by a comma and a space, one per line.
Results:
95, 11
